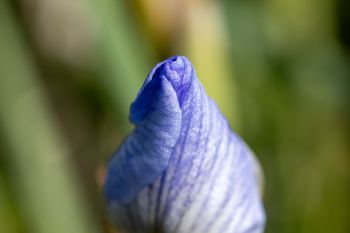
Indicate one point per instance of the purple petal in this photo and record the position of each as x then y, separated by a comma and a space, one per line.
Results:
182, 169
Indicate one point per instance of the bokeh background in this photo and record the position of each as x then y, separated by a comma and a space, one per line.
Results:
279, 70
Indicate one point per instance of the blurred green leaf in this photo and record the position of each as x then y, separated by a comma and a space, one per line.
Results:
123, 56
41, 174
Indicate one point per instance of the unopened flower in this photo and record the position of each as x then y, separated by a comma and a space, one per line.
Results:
182, 169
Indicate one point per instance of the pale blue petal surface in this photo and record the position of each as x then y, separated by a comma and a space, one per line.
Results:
182, 169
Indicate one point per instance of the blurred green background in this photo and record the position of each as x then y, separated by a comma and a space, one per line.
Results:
279, 70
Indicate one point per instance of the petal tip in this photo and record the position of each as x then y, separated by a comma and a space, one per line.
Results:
177, 70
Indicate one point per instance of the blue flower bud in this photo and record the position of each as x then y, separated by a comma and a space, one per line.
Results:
182, 169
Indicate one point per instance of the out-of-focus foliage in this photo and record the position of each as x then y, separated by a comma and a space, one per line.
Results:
292, 68
70, 69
